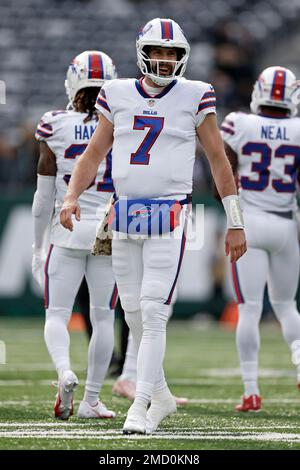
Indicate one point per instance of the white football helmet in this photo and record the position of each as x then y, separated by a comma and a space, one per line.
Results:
278, 87
88, 69
164, 33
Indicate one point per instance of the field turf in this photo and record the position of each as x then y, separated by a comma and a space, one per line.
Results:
201, 364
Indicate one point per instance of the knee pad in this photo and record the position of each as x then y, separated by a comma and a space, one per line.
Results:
134, 322
132, 318
154, 314
252, 310
130, 303
62, 314
156, 290
282, 309
99, 315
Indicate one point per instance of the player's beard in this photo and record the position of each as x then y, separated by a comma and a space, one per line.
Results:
162, 68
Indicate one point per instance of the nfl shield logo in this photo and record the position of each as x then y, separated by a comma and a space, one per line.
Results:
151, 103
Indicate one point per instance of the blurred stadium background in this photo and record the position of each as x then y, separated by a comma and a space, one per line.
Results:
231, 41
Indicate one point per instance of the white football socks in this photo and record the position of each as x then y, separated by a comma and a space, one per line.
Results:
57, 338
130, 363
99, 353
249, 374
248, 343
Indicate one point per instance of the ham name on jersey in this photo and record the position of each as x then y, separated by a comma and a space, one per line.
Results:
67, 135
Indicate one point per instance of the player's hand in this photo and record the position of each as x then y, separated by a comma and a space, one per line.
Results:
37, 266
235, 244
70, 207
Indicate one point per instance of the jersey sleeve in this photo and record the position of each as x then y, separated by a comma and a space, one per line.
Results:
44, 131
206, 105
102, 104
229, 131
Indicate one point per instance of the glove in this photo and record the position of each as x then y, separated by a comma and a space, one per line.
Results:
37, 266
102, 244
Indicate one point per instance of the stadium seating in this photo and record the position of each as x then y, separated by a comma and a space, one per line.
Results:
38, 38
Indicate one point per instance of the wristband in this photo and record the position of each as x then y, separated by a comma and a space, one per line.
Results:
233, 212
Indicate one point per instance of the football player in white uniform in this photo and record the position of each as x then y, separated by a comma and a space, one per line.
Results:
125, 385
64, 135
264, 148
151, 125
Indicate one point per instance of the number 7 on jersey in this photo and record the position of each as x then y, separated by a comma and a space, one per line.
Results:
155, 124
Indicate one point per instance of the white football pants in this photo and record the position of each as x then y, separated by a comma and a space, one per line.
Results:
64, 272
146, 272
273, 259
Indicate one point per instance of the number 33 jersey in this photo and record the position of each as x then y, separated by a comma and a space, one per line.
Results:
67, 135
154, 137
268, 151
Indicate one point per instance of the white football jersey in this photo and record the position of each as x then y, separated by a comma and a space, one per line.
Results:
67, 135
268, 151
154, 137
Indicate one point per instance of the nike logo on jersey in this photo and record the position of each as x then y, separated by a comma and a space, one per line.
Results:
83, 132
274, 133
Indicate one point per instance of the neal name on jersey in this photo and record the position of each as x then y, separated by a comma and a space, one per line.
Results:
268, 153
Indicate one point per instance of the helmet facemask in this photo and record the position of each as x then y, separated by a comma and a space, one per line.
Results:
150, 67
162, 33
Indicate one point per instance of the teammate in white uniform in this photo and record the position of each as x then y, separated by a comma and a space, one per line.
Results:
152, 125
64, 135
264, 148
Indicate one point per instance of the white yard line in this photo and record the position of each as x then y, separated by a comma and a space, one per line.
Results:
239, 428
225, 401
45, 382
59, 428
182, 382
37, 366
84, 434
212, 373
235, 372
192, 401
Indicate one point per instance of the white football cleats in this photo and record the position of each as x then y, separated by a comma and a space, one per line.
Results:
135, 422
99, 411
67, 384
163, 404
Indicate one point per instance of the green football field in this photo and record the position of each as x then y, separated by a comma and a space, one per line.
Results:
201, 364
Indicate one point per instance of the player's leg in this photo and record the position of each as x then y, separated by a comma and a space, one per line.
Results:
128, 270
162, 261
83, 300
282, 285
103, 296
126, 382
249, 278
127, 256
125, 385
63, 274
